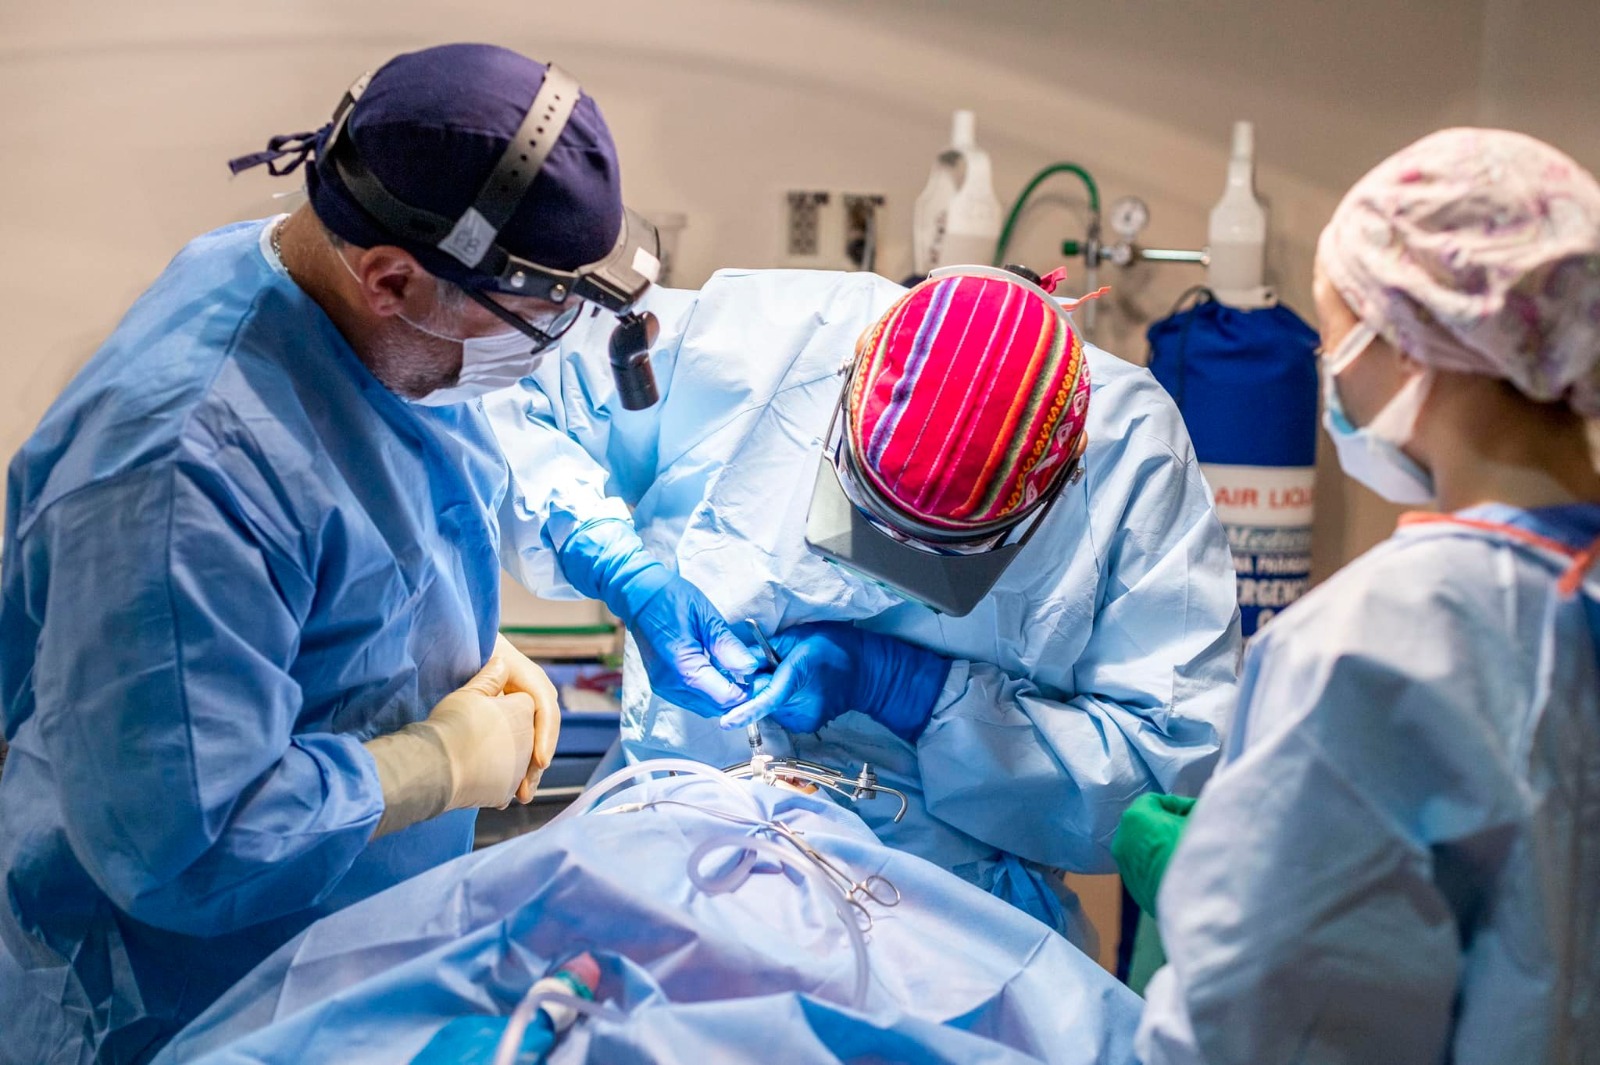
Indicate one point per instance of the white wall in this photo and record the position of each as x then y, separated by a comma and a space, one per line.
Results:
116, 119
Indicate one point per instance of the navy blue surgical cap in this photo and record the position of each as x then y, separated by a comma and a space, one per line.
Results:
431, 126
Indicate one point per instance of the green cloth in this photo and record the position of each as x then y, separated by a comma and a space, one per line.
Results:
1148, 955
1145, 840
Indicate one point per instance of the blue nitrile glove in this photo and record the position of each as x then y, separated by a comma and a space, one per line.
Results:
827, 668
694, 659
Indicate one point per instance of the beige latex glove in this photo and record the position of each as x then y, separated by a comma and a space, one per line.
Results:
483, 744
522, 675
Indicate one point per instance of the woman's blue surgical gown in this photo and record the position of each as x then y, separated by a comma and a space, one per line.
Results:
1399, 861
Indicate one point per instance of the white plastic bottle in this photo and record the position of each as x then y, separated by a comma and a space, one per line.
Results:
957, 223
928, 214
1238, 233
972, 224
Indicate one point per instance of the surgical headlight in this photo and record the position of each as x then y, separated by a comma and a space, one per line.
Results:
615, 282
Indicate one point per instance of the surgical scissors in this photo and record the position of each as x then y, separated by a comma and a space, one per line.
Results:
874, 887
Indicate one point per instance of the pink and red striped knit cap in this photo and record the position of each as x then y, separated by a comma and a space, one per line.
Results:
966, 401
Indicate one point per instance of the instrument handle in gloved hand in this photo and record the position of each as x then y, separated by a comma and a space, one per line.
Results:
690, 652
830, 667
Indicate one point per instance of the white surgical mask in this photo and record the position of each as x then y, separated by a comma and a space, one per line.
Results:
1372, 454
488, 363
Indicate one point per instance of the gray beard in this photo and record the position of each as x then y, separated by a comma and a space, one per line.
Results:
410, 363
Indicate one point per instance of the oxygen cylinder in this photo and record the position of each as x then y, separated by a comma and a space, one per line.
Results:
1246, 384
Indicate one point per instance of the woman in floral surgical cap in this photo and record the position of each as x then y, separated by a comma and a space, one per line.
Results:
1399, 860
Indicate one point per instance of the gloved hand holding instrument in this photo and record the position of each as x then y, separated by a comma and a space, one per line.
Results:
691, 654
483, 744
830, 667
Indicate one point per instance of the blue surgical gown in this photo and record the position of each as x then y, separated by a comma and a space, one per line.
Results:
1399, 861
231, 556
1101, 666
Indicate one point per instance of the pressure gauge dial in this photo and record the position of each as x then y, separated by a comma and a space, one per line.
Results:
1128, 216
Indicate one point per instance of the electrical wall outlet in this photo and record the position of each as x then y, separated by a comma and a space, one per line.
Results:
804, 224
863, 228
830, 230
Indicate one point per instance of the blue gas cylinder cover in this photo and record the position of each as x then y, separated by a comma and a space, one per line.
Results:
1245, 382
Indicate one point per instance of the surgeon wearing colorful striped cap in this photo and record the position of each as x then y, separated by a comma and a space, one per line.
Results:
963, 419
983, 548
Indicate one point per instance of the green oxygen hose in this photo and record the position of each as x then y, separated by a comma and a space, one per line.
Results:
1022, 201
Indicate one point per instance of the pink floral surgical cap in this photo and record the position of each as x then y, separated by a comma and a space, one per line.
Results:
1478, 250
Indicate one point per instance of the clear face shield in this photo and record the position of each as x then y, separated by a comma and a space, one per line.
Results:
856, 528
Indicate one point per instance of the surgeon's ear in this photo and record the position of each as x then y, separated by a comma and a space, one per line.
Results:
392, 282
1080, 447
